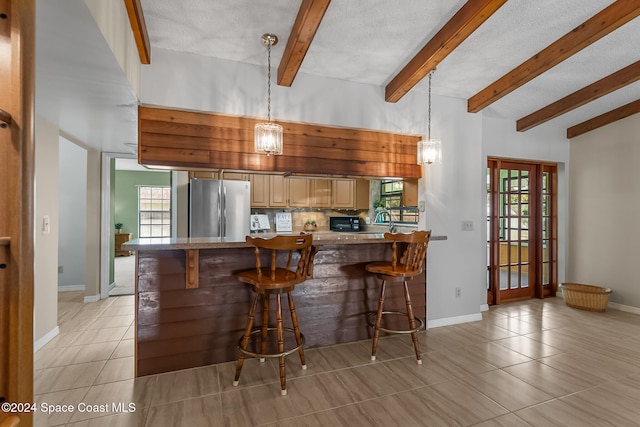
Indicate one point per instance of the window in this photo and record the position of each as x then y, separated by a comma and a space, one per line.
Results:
154, 207
393, 208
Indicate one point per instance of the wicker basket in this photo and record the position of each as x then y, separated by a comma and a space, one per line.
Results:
586, 297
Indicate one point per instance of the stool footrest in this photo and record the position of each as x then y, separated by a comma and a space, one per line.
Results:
258, 330
372, 315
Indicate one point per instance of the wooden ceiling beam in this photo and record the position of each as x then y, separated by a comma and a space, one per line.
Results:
139, 28
602, 87
470, 16
604, 119
304, 30
596, 27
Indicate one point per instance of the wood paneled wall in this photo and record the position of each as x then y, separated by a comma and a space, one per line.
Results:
179, 328
188, 140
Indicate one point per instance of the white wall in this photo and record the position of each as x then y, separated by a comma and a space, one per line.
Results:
45, 322
454, 190
73, 216
182, 80
453, 193
604, 184
113, 21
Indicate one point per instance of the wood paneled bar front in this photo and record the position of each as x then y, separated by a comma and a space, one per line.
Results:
180, 326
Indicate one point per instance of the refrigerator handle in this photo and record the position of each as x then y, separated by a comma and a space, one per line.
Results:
220, 212
223, 223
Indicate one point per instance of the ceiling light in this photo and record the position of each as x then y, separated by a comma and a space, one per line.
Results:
268, 136
429, 150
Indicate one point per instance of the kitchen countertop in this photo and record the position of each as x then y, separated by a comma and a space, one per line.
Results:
320, 238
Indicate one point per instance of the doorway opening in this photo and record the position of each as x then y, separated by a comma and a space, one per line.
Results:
522, 238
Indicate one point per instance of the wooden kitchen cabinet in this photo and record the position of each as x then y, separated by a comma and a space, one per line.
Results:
121, 238
278, 191
259, 191
343, 193
203, 175
410, 192
362, 194
235, 176
299, 192
320, 193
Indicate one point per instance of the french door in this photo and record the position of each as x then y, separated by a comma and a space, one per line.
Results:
521, 231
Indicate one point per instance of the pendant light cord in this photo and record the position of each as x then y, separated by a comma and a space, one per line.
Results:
269, 82
429, 110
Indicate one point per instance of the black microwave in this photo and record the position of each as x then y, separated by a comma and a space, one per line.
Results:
344, 223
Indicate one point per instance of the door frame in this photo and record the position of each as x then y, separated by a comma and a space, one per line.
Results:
535, 254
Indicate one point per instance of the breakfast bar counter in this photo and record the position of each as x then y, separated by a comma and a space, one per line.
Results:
191, 309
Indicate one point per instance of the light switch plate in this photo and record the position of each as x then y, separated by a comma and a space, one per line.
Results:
467, 225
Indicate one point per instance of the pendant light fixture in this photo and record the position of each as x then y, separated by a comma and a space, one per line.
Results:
429, 150
268, 136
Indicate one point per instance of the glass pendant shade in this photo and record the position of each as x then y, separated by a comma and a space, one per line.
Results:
429, 151
268, 138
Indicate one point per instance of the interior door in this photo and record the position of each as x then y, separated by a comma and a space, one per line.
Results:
521, 228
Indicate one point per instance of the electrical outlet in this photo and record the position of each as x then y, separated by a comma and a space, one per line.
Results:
458, 292
467, 225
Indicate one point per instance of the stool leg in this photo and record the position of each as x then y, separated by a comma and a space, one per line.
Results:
245, 339
296, 329
280, 330
265, 326
376, 328
412, 322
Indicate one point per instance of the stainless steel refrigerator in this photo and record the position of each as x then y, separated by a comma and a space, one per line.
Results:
219, 209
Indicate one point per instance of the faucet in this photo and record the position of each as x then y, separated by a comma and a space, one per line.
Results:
380, 215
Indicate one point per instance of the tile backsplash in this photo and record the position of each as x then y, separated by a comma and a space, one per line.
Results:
300, 216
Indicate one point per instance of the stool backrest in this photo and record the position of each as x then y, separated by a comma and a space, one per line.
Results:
282, 245
408, 250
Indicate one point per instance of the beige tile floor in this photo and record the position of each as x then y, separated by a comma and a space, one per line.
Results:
534, 363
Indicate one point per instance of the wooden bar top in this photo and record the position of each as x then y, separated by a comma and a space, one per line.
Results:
319, 239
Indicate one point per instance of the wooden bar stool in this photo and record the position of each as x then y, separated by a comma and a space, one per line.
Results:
277, 278
407, 259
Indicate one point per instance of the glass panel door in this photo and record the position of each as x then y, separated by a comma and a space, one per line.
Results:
521, 238
514, 221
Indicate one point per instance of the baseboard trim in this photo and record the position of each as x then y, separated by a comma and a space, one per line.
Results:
484, 307
622, 307
92, 298
448, 321
46, 338
71, 288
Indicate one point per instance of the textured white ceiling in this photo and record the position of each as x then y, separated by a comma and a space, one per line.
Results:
371, 41
366, 41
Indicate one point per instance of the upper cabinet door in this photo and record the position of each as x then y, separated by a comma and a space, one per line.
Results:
410, 192
259, 191
278, 191
299, 192
235, 176
321, 193
362, 194
343, 193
